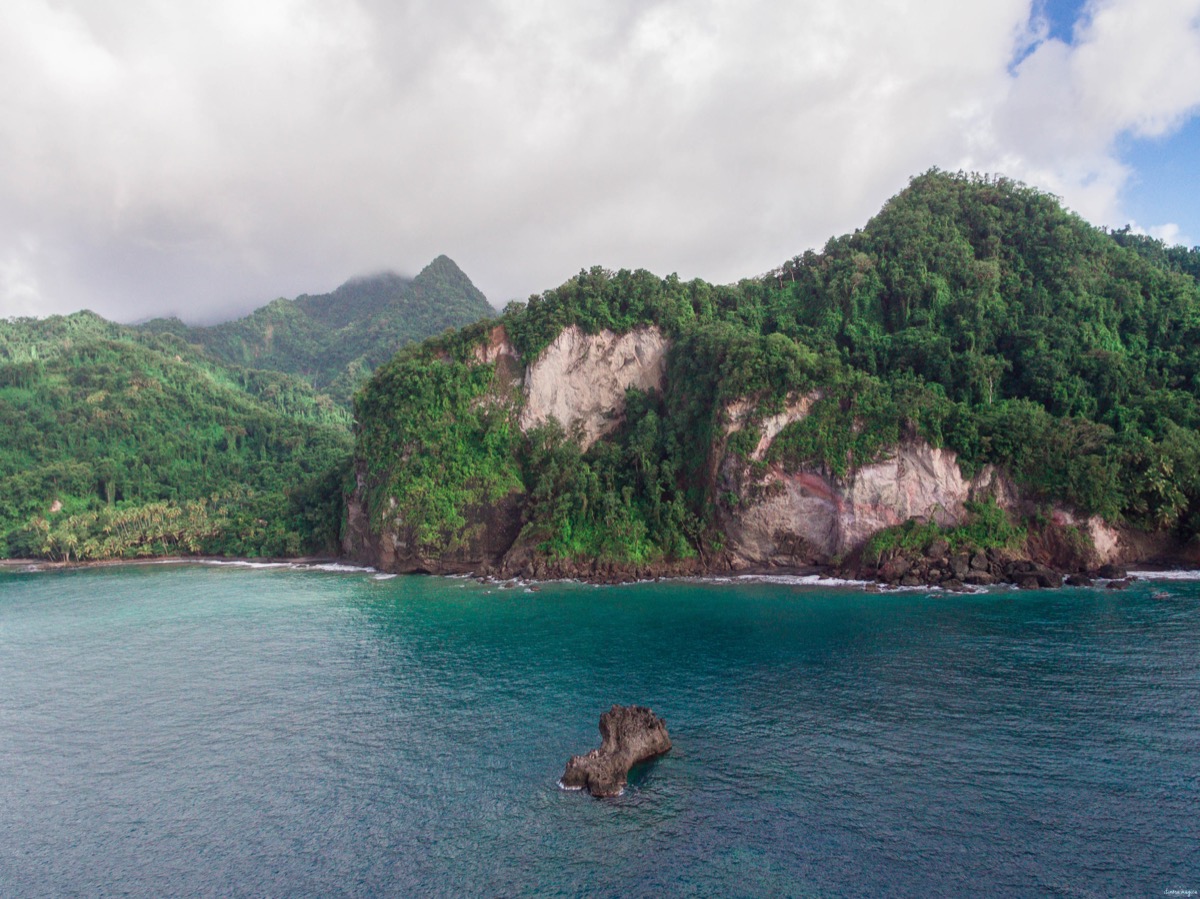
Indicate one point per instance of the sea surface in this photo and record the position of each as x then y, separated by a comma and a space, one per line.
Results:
189, 730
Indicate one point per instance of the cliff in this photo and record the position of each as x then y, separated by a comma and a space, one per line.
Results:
580, 379
770, 515
975, 382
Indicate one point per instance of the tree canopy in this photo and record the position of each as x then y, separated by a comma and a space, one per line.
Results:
974, 312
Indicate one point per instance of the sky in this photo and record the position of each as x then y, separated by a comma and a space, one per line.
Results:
201, 159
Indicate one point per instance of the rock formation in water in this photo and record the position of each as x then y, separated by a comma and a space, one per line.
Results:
630, 734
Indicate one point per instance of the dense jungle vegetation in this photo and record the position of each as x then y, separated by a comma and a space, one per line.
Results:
117, 446
972, 311
334, 341
123, 442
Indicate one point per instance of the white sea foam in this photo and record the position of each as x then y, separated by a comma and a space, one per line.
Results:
1190, 574
231, 563
802, 580
383, 577
338, 566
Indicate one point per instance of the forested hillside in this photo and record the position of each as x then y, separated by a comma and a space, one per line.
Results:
119, 444
973, 313
120, 441
335, 340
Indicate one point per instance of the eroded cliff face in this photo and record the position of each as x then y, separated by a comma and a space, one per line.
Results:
581, 379
768, 516
489, 533
791, 518
498, 350
788, 518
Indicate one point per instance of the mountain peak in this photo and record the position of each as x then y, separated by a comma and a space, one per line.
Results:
442, 267
443, 278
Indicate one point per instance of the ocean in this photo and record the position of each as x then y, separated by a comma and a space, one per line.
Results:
237, 730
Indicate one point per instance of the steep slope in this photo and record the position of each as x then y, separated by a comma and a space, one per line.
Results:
976, 358
335, 340
119, 443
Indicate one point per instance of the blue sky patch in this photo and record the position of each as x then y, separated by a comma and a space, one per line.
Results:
1165, 186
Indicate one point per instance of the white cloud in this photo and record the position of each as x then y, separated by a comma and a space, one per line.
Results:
18, 278
198, 157
1133, 68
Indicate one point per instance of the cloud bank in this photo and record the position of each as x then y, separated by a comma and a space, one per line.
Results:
204, 158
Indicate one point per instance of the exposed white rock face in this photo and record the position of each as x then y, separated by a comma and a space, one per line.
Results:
1105, 538
498, 347
583, 378
826, 516
738, 413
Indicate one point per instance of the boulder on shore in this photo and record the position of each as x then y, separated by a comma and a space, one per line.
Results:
629, 735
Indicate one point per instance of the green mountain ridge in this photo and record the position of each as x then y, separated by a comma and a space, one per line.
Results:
124, 444
972, 313
335, 340
123, 441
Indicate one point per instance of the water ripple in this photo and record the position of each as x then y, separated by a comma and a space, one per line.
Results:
239, 731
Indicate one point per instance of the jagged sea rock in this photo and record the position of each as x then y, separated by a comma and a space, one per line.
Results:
629, 735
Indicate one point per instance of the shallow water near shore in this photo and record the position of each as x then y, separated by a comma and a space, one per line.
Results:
208, 730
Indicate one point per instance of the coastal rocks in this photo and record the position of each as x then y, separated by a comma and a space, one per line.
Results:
581, 379
629, 735
935, 566
1030, 575
938, 566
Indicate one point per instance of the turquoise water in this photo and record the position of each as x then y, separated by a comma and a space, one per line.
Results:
196, 730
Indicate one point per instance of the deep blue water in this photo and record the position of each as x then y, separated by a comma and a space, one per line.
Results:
192, 730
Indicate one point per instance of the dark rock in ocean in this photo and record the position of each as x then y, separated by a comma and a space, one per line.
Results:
979, 579
629, 735
1112, 572
1079, 580
1047, 577
1118, 585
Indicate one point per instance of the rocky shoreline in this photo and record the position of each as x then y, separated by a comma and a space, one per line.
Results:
963, 571
938, 567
